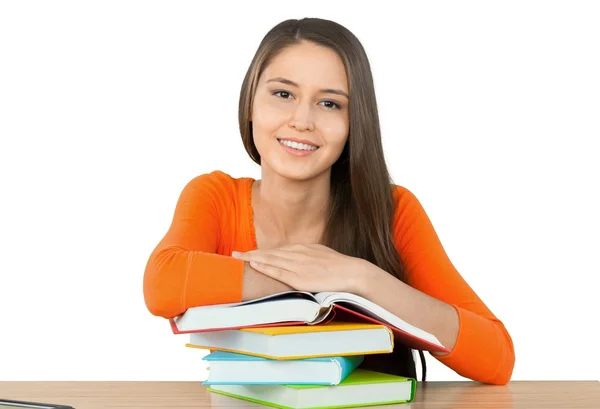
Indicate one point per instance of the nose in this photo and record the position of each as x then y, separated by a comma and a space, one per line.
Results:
302, 118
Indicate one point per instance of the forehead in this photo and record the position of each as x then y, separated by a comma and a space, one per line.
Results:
308, 64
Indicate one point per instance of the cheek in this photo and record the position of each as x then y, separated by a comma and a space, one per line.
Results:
336, 130
268, 117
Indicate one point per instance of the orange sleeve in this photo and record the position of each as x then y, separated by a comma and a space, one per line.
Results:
484, 350
184, 270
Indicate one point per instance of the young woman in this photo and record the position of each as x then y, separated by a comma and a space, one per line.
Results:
325, 215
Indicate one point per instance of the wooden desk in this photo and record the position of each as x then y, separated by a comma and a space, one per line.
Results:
432, 395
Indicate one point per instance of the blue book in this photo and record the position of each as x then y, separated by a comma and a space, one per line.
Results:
228, 368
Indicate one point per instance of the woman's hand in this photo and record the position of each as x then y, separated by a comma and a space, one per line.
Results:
309, 267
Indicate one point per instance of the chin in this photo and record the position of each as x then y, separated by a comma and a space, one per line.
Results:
299, 174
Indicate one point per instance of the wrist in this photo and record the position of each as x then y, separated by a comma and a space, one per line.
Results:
362, 277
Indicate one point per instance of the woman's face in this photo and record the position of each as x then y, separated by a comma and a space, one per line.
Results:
299, 116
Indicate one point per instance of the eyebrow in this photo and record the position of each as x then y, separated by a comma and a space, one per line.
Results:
325, 90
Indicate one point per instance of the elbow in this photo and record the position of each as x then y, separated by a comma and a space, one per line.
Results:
163, 286
483, 352
159, 306
507, 363
504, 374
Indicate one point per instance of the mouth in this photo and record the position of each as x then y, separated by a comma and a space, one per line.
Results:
297, 148
300, 145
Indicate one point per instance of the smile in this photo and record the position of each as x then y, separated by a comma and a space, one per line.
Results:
296, 148
299, 146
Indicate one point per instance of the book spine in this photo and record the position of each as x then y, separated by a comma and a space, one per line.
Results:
348, 364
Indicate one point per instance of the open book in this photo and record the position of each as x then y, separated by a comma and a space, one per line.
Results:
300, 307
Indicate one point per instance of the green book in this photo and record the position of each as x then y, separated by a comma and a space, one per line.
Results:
360, 388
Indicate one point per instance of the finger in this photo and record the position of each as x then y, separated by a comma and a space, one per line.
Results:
248, 255
305, 247
271, 259
295, 249
279, 274
257, 252
262, 255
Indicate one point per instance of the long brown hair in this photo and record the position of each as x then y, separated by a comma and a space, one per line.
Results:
362, 207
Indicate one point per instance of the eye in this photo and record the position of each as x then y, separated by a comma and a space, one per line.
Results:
331, 105
282, 94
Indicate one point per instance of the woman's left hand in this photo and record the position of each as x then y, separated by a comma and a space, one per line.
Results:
309, 267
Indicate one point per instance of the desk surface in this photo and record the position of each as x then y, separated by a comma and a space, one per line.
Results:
432, 395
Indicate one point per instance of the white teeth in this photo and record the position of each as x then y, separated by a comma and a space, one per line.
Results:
296, 145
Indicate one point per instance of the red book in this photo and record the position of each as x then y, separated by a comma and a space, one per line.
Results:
297, 308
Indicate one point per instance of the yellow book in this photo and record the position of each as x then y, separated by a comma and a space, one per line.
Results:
299, 342
298, 329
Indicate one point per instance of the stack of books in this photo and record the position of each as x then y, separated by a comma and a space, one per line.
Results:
302, 350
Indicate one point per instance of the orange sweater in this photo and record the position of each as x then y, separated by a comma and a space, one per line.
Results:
191, 266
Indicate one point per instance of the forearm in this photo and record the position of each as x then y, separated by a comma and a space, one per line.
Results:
176, 279
482, 350
409, 304
256, 285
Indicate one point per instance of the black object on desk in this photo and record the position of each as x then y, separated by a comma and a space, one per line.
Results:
15, 404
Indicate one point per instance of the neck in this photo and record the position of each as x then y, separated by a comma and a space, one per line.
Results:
289, 209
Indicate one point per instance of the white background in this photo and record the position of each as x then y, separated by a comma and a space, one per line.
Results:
490, 114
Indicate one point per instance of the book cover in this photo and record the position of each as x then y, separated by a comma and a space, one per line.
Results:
302, 329
358, 389
346, 365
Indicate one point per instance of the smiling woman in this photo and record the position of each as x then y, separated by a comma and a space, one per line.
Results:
325, 215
